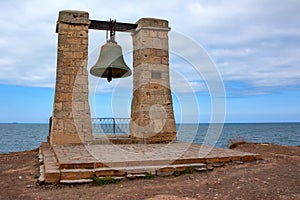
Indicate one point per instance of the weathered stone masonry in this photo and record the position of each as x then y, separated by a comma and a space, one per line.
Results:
152, 117
71, 121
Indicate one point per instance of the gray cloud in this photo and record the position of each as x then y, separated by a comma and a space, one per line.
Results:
252, 41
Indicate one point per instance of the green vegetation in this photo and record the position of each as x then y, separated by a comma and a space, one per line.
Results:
149, 176
189, 170
104, 181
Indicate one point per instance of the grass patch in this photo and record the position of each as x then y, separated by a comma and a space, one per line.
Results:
104, 181
234, 142
189, 170
149, 176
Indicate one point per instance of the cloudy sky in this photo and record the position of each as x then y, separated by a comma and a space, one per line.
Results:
254, 45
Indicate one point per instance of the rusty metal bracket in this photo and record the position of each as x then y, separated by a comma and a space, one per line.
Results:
105, 25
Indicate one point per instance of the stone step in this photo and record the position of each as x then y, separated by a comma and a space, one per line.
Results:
76, 181
41, 178
76, 162
113, 164
42, 174
88, 180
51, 168
76, 174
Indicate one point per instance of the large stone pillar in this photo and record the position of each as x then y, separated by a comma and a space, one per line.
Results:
71, 121
152, 117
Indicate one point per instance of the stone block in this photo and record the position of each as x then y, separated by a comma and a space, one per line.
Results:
109, 172
235, 158
162, 53
157, 100
65, 138
82, 165
248, 158
224, 159
135, 176
158, 44
67, 54
162, 34
83, 96
58, 107
73, 41
52, 177
152, 22
79, 105
74, 17
100, 165
157, 162
258, 157
181, 168
165, 60
169, 125
57, 125
212, 160
153, 33
155, 60
165, 171
77, 54
62, 79
63, 97
150, 139
76, 174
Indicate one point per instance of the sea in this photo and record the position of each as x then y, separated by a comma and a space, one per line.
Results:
16, 137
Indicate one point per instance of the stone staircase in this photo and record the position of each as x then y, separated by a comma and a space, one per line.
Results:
76, 164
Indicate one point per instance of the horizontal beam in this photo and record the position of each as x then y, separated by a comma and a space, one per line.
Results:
104, 25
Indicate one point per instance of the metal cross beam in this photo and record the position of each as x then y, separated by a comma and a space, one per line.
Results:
104, 25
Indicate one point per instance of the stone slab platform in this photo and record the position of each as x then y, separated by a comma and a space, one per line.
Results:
79, 162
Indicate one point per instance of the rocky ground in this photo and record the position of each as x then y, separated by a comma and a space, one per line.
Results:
276, 177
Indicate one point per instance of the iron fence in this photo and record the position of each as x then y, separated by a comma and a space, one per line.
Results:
110, 125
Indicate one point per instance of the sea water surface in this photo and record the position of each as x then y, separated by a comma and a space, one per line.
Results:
20, 137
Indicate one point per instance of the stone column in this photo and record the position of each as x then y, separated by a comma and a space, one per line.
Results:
152, 117
71, 122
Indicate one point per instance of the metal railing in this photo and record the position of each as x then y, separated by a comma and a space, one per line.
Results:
110, 125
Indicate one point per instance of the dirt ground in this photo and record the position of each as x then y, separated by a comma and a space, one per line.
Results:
276, 177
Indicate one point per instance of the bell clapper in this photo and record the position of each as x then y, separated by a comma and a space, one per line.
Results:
109, 76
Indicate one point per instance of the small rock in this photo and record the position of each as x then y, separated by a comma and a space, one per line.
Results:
134, 176
218, 164
264, 144
28, 186
265, 182
20, 177
202, 169
256, 179
238, 162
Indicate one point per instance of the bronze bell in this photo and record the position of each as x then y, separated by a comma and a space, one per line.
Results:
110, 63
